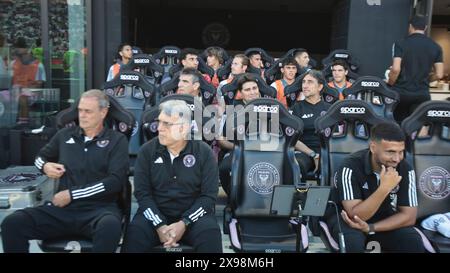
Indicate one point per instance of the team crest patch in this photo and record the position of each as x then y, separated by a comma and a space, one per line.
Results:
123, 127
293, 96
328, 98
289, 131
262, 177
231, 95
189, 161
434, 182
388, 100
327, 132
323, 113
154, 127
102, 143
206, 95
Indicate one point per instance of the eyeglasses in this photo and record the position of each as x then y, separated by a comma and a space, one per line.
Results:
166, 124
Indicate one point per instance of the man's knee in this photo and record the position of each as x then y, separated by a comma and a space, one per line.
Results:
110, 223
16, 221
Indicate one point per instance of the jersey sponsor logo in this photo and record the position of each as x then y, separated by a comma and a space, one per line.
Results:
341, 55
434, 182
370, 84
308, 115
273, 109
353, 110
438, 114
171, 51
262, 177
189, 161
159, 160
70, 141
142, 61
102, 143
126, 77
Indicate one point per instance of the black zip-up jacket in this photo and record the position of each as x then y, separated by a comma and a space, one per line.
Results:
186, 189
96, 170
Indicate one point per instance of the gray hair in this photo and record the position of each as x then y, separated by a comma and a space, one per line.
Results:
102, 98
177, 107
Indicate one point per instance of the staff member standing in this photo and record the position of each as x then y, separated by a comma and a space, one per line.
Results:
413, 59
176, 185
91, 163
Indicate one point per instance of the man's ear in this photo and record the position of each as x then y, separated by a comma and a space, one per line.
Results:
372, 146
196, 85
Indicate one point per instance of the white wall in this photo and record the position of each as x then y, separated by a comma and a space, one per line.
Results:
442, 37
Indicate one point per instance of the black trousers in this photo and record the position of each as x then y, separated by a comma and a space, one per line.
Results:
306, 164
407, 105
203, 235
102, 225
402, 240
225, 172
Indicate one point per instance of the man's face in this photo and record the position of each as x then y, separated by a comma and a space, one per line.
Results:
171, 129
90, 114
289, 71
126, 52
191, 61
212, 61
302, 59
186, 85
256, 61
310, 86
237, 67
387, 153
250, 91
339, 73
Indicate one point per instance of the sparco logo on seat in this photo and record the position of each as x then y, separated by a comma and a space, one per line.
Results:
171, 51
353, 110
438, 114
129, 77
341, 55
142, 61
266, 109
370, 84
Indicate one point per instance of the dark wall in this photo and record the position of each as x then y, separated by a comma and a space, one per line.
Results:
273, 31
373, 27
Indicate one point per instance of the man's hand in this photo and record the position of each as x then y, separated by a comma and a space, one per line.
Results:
389, 178
356, 222
316, 163
163, 233
54, 170
62, 199
175, 231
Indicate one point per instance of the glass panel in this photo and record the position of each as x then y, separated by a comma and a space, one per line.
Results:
68, 49
21, 70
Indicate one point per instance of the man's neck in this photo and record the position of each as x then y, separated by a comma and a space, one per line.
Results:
176, 148
313, 99
93, 132
339, 84
289, 82
125, 60
417, 32
375, 167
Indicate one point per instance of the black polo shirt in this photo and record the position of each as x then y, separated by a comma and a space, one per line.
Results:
418, 53
185, 189
355, 179
309, 113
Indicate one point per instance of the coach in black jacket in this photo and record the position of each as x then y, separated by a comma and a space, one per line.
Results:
92, 165
176, 184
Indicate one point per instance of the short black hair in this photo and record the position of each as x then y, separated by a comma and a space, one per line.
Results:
20, 43
188, 51
418, 22
388, 131
246, 77
340, 62
289, 60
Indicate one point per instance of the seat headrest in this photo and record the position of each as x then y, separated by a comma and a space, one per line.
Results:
133, 78
116, 115
167, 51
428, 112
144, 61
347, 110
229, 90
267, 59
207, 89
271, 107
372, 83
341, 54
136, 50
225, 70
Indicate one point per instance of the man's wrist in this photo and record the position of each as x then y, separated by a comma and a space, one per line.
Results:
371, 229
186, 222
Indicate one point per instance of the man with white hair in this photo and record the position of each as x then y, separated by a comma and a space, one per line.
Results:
176, 183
